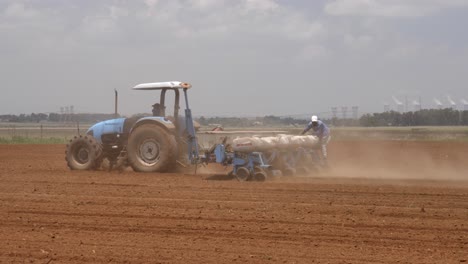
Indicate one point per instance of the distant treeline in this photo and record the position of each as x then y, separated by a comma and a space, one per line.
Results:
90, 118
427, 117
54, 117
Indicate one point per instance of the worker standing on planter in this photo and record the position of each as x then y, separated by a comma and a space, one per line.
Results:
320, 130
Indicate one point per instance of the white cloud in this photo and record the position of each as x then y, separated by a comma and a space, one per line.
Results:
117, 12
371, 8
98, 25
311, 52
297, 27
19, 10
260, 5
358, 42
209, 18
404, 50
206, 4
390, 8
104, 21
151, 5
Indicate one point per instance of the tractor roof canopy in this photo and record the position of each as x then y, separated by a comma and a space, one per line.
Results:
162, 85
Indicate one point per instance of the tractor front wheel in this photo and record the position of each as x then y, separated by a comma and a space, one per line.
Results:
83, 153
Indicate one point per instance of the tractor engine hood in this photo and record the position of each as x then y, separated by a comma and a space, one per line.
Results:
112, 126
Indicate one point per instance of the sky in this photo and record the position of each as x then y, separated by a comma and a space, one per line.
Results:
243, 57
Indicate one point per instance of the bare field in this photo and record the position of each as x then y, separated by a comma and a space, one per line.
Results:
383, 202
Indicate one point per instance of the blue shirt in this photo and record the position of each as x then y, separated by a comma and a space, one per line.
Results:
321, 130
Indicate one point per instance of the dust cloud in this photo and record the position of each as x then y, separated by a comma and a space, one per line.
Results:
398, 160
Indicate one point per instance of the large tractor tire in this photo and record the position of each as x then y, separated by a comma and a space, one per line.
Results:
259, 174
243, 174
83, 153
151, 149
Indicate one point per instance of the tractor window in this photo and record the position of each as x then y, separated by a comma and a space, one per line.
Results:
169, 103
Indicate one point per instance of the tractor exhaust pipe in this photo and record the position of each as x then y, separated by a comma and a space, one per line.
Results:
116, 113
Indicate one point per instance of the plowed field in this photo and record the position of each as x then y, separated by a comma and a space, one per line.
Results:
382, 202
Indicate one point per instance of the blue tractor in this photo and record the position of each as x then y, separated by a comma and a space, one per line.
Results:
147, 144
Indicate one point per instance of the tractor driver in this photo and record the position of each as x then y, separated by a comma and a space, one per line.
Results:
320, 130
156, 109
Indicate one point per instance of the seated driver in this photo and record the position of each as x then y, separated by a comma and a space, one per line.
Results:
156, 109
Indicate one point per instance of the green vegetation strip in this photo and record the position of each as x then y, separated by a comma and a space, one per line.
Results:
28, 140
442, 133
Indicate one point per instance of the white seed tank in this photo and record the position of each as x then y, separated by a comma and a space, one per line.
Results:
255, 143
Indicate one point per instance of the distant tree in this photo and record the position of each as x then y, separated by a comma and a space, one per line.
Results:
202, 120
54, 117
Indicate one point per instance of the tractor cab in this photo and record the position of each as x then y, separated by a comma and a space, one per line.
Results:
185, 127
159, 109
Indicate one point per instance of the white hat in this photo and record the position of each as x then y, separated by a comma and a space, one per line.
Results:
314, 118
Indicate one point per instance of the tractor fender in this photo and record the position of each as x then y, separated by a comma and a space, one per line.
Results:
159, 121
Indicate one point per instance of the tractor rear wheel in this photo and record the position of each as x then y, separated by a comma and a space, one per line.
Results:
83, 153
151, 149
243, 174
260, 176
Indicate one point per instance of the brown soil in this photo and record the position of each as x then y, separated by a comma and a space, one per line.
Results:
382, 202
